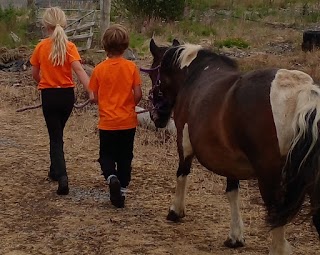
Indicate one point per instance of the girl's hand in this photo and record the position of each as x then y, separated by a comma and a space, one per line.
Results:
91, 97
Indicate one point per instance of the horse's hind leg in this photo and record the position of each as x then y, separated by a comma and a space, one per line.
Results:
316, 221
279, 244
177, 209
235, 238
268, 186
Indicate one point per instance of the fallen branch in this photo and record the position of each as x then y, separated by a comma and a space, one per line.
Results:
29, 108
77, 106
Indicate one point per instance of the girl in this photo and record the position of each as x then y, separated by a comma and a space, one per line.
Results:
53, 61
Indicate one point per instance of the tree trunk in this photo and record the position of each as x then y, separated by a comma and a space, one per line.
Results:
105, 8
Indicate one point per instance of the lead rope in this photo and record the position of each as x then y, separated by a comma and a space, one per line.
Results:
81, 105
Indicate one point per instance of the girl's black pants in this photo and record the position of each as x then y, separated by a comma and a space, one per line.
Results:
57, 105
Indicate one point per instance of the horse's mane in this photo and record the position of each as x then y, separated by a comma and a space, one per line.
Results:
184, 54
188, 52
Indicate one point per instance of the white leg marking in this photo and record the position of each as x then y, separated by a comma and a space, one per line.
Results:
186, 144
279, 244
178, 205
236, 231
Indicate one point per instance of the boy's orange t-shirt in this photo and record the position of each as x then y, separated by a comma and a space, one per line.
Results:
113, 81
54, 76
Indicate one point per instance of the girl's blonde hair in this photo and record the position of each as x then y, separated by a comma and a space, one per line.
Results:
54, 18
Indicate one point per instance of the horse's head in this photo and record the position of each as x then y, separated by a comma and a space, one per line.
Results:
162, 105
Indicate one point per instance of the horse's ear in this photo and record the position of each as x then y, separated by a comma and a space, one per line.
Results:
175, 42
153, 48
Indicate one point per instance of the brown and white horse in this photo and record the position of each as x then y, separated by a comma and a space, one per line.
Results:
262, 124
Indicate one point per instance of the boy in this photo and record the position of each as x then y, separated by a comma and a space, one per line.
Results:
115, 83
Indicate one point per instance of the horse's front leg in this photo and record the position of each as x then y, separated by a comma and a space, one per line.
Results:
235, 238
177, 209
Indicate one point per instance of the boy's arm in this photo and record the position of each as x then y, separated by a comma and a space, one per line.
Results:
137, 93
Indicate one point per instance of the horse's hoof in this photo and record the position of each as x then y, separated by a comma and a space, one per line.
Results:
173, 216
233, 244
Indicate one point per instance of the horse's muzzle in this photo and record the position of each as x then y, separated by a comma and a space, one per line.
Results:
158, 120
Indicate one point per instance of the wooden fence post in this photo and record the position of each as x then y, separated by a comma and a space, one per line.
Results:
105, 8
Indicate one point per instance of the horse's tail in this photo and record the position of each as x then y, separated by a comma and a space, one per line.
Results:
301, 172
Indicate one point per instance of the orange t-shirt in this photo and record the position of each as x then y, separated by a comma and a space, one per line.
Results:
54, 76
113, 80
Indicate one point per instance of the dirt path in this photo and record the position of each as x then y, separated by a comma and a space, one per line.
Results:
34, 220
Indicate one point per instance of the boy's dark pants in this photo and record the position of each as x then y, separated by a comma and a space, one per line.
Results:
57, 105
116, 154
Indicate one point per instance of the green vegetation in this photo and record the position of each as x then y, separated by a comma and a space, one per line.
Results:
16, 21
232, 42
136, 40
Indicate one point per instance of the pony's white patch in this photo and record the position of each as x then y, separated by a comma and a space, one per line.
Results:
178, 205
186, 144
279, 244
188, 54
292, 95
236, 225
206, 68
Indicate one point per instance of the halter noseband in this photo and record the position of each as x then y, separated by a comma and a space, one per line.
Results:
148, 71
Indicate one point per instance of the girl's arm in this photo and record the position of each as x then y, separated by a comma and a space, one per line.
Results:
82, 76
36, 73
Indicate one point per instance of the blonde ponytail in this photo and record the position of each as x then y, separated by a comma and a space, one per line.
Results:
59, 46
55, 19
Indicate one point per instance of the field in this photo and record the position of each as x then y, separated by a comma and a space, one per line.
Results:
34, 220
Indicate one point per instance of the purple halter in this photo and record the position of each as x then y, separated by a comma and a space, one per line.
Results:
148, 71
157, 82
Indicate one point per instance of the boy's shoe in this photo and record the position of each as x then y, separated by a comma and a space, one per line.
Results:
63, 187
116, 197
123, 191
52, 176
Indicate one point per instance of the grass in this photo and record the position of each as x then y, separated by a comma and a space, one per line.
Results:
232, 42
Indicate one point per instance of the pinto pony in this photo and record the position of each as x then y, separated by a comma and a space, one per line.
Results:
262, 124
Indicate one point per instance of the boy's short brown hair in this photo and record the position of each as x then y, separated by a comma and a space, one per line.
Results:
115, 39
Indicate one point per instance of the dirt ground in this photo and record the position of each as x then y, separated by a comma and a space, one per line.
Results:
34, 220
